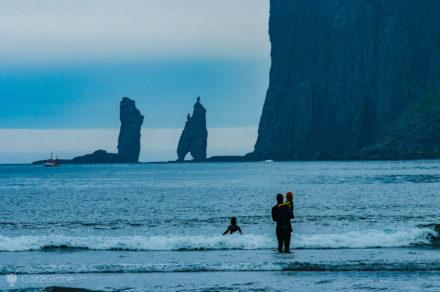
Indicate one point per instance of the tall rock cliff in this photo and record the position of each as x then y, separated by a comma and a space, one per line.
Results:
129, 141
415, 135
345, 75
194, 138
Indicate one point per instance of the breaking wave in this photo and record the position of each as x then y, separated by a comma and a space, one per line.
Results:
397, 237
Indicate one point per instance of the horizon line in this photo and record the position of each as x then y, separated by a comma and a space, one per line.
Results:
158, 144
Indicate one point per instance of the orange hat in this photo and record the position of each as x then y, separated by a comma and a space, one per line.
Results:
289, 196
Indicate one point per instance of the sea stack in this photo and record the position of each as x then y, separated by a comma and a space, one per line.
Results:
352, 80
194, 138
129, 141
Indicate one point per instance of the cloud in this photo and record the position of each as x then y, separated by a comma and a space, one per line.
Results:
27, 145
101, 30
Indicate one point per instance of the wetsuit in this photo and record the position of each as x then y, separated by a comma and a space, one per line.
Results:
282, 214
232, 228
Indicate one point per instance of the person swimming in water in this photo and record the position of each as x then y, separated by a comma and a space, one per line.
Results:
233, 227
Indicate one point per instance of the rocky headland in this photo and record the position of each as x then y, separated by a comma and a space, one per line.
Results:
352, 80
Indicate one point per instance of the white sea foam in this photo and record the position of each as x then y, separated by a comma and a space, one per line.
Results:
397, 237
154, 243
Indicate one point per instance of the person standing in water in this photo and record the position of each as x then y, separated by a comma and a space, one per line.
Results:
233, 227
281, 214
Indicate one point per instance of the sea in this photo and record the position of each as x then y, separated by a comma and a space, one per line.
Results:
359, 226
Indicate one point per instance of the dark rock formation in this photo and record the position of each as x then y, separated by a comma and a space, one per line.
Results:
345, 77
415, 135
99, 156
194, 137
228, 158
129, 142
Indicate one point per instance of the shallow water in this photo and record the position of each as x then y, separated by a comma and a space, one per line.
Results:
358, 225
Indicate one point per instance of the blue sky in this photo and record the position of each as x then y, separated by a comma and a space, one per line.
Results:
87, 95
66, 64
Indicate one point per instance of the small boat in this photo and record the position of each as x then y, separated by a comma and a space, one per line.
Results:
52, 162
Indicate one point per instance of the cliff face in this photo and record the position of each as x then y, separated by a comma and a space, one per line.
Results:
129, 141
194, 138
415, 135
344, 73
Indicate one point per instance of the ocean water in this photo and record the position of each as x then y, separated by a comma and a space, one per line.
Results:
157, 227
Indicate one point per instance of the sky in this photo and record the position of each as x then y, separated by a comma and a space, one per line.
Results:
65, 65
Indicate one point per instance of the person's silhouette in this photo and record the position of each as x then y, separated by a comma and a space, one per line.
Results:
281, 214
233, 227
